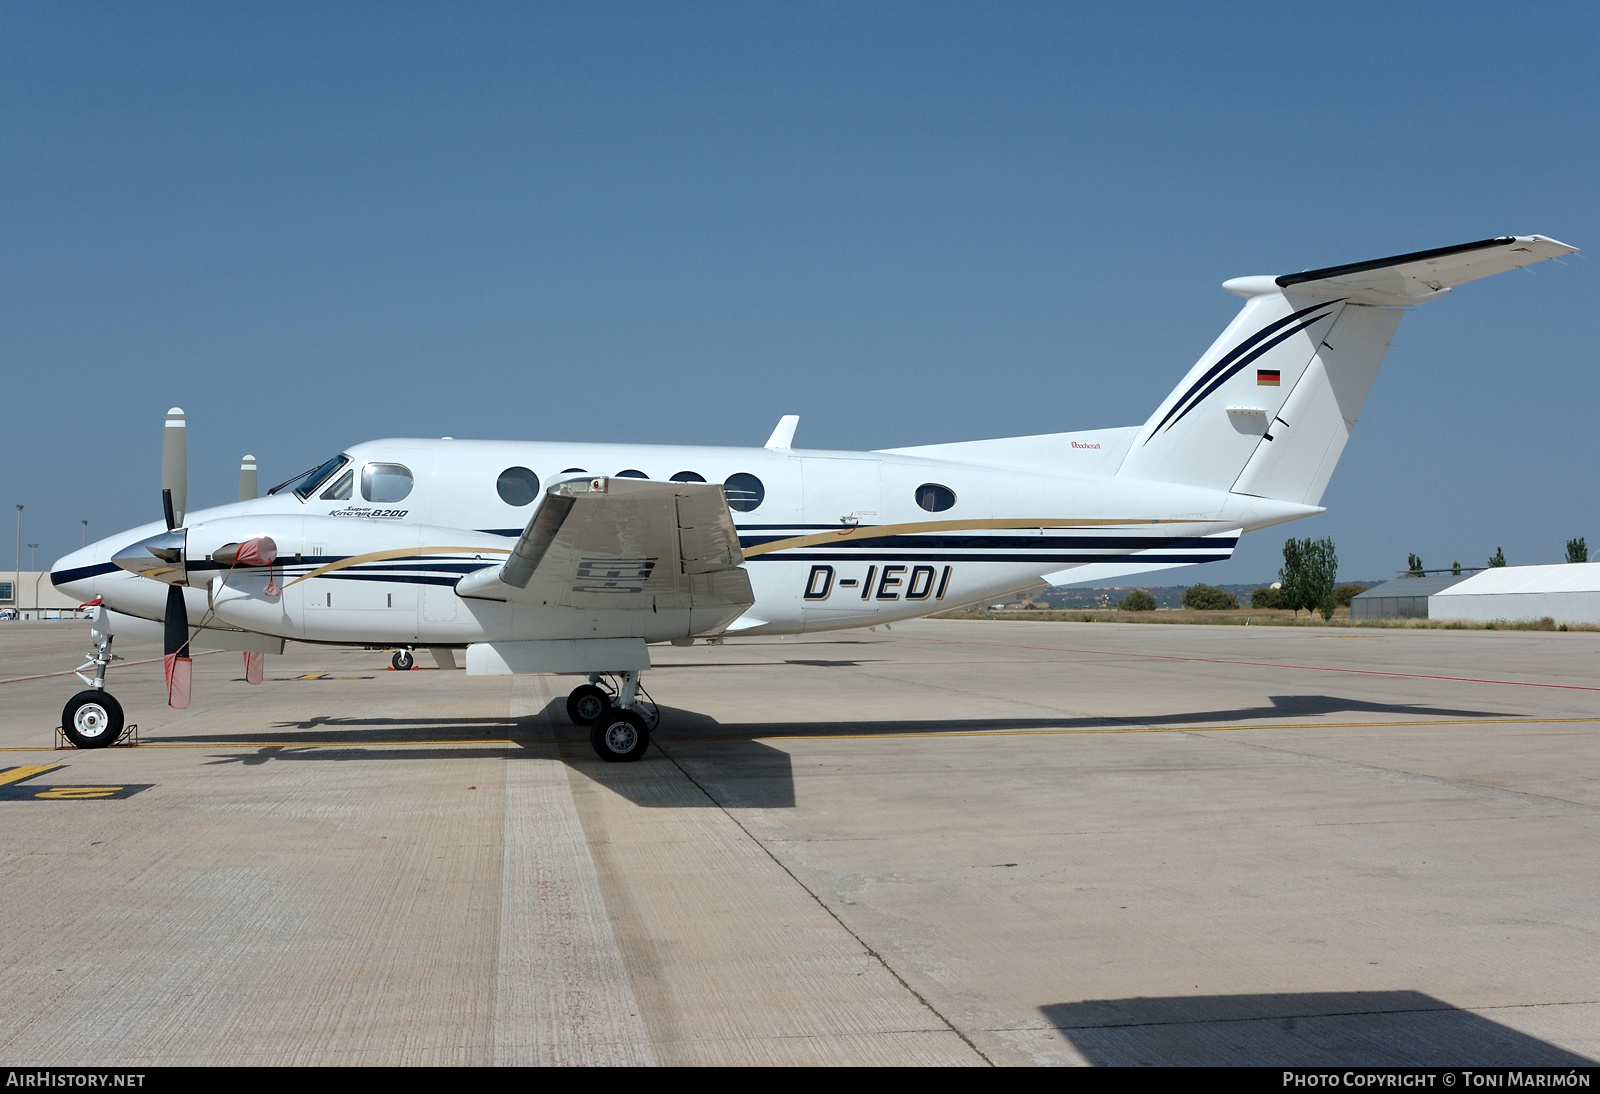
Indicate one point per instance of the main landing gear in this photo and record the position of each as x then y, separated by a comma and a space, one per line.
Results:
619, 719
92, 718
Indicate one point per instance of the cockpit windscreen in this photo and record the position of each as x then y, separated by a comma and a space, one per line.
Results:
304, 485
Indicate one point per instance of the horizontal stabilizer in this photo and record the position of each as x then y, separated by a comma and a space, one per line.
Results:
1406, 279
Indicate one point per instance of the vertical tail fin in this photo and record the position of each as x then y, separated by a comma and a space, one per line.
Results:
1267, 409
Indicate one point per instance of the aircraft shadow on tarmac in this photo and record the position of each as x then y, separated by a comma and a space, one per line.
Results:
726, 759
1312, 1029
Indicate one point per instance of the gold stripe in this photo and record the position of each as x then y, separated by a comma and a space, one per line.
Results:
399, 552
877, 531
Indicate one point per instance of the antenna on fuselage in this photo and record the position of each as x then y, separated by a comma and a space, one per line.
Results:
783, 436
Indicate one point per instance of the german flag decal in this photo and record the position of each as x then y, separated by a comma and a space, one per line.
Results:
1267, 377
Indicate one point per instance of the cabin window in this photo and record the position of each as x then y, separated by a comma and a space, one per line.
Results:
744, 492
935, 498
688, 476
517, 486
385, 482
632, 474
340, 490
574, 471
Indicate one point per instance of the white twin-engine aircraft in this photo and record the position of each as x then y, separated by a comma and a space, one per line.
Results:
573, 558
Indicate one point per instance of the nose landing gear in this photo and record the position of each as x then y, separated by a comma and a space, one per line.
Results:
92, 718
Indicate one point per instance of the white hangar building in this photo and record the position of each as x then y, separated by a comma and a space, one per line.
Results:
1567, 593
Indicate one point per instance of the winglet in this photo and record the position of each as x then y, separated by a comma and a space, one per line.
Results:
783, 436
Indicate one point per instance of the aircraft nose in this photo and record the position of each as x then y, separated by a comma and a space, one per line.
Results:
75, 574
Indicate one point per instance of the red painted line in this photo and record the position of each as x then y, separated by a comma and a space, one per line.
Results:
1254, 664
124, 664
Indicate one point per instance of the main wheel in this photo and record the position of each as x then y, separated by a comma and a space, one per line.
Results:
586, 703
620, 736
403, 660
92, 719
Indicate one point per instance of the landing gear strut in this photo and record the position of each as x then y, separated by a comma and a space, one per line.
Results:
92, 718
619, 721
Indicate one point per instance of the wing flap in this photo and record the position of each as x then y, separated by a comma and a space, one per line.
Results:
626, 545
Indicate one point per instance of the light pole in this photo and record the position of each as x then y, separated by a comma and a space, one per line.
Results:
16, 589
32, 568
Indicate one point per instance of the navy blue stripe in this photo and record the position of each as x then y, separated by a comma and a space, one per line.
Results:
992, 543
915, 556
79, 573
404, 579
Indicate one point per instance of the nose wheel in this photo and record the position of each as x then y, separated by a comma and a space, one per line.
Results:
92, 719
403, 660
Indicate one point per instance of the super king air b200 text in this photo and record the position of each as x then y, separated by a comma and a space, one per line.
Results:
575, 558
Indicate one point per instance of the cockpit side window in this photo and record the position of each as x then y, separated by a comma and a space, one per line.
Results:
340, 490
307, 483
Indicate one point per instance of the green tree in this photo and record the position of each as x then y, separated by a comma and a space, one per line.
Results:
1208, 598
1414, 565
1310, 568
1266, 597
1455, 569
1577, 550
1498, 558
1138, 601
1343, 594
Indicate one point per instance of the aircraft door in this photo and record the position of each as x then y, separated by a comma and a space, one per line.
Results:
839, 492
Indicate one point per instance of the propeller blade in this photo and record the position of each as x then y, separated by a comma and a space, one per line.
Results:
247, 479
254, 667
175, 465
175, 649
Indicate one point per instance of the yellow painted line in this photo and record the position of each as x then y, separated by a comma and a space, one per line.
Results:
17, 774
1143, 729
1046, 732
78, 793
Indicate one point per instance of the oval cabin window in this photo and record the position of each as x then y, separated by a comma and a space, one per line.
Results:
385, 482
935, 498
688, 476
632, 474
744, 492
517, 486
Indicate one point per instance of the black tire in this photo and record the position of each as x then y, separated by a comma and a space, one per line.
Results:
403, 660
586, 703
620, 737
92, 719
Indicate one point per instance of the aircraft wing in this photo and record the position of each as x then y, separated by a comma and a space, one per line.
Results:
1422, 275
613, 544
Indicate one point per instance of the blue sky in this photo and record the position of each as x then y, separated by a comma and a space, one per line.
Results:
311, 225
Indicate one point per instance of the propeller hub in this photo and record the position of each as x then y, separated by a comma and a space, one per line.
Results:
161, 557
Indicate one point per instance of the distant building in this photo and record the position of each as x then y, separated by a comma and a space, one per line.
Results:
1565, 593
1405, 597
